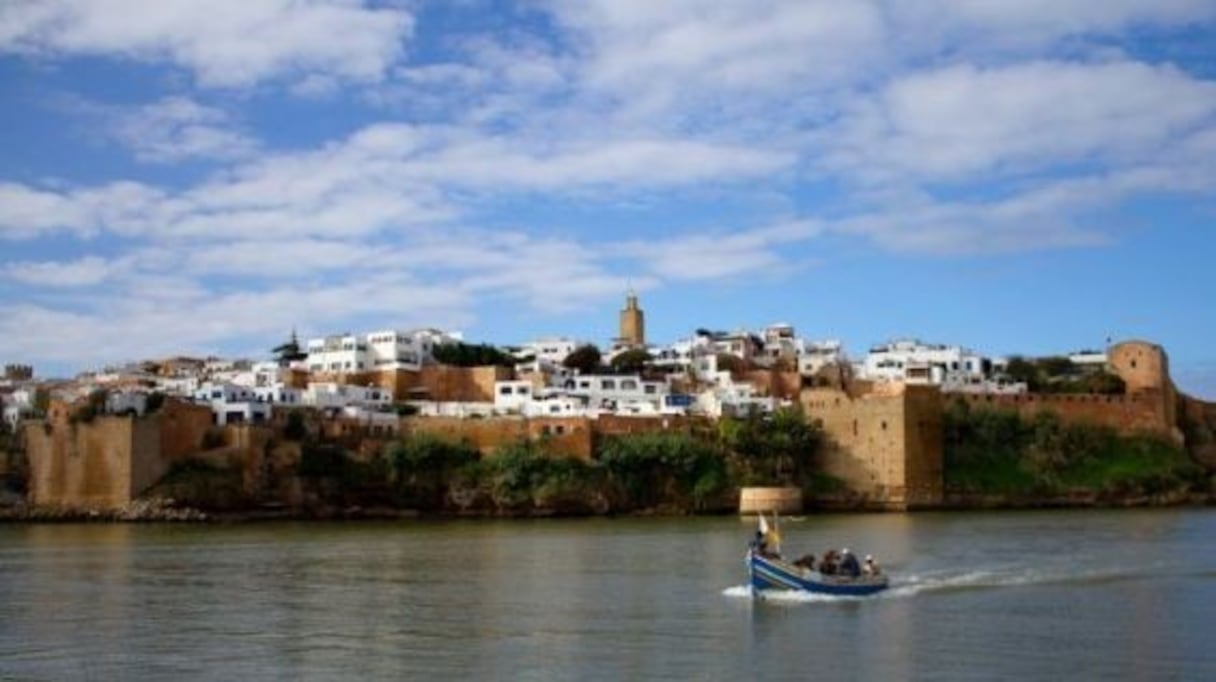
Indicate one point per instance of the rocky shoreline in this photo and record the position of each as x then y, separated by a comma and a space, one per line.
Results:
167, 511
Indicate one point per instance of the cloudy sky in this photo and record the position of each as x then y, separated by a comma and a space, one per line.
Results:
1017, 176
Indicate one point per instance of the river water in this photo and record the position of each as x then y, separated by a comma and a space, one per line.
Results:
1120, 595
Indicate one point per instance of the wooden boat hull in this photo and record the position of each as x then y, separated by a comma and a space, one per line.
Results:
766, 574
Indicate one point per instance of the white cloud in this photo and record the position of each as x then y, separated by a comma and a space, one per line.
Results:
954, 123
1023, 25
225, 43
177, 128
86, 271
717, 255
26, 212
383, 177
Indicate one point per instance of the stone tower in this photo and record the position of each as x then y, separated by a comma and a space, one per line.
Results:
1142, 366
633, 322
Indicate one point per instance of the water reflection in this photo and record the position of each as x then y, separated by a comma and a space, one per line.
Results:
608, 599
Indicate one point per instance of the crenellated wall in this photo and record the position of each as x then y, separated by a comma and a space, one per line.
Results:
1134, 413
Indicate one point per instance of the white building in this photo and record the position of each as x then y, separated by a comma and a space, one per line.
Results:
233, 404
122, 402
376, 351
374, 420
549, 351
279, 394
331, 395
816, 355
17, 405
512, 396
184, 386
607, 391
1089, 359
733, 400
954, 368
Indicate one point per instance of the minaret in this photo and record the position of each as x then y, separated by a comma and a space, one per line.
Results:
633, 322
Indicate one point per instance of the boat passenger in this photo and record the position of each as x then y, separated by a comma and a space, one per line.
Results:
759, 544
849, 565
806, 561
870, 567
828, 565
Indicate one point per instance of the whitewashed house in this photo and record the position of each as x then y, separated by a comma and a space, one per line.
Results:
375, 351
607, 391
233, 404
953, 368
331, 395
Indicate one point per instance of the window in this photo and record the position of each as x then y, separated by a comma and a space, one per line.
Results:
608, 385
650, 389
504, 390
629, 385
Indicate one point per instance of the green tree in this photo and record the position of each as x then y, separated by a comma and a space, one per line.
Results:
772, 449
289, 351
424, 466
631, 361
461, 354
585, 358
1023, 370
663, 468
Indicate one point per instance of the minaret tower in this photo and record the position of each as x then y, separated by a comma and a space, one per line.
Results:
633, 322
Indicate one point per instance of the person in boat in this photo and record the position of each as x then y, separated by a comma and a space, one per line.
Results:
759, 545
828, 565
870, 567
848, 564
806, 561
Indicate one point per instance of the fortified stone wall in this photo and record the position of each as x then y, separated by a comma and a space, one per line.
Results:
885, 446
554, 436
444, 383
621, 425
1199, 425
1137, 413
108, 461
80, 465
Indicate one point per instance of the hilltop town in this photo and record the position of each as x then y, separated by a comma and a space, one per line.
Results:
881, 423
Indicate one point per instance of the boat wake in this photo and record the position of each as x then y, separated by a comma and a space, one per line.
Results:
909, 585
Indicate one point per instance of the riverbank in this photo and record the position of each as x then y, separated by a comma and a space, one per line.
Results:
166, 511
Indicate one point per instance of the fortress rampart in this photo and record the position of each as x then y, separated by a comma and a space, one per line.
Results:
885, 445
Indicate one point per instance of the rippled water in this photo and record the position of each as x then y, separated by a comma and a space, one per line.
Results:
1126, 595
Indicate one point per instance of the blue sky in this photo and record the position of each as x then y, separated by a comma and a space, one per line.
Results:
1017, 176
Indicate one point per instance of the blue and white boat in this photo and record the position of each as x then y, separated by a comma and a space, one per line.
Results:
767, 571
